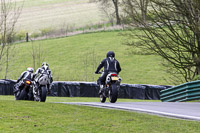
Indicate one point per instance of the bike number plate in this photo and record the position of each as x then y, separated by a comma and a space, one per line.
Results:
114, 78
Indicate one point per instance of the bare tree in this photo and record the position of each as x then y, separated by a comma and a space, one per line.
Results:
172, 32
139, 6
143, 7
106, 4
90, 63
9, 14
37, 55
116, 5
108, 12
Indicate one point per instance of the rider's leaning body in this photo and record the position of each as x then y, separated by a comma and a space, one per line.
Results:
44, 70
110, 64
28, 74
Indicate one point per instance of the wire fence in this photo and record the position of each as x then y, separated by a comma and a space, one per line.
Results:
69, 31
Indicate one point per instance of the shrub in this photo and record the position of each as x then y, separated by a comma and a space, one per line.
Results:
20, 35
46, 31
35, 34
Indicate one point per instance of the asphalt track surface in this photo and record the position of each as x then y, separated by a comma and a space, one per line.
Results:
182, 110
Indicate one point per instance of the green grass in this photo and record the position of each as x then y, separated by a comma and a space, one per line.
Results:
26, 116
75, 58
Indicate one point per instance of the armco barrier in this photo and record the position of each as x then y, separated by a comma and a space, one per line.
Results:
90, 89
184, 92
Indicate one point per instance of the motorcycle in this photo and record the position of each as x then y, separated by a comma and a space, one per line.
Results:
111, 87
40, 87
25, 90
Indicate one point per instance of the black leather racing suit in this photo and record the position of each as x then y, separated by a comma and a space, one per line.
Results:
24, 75
110, 64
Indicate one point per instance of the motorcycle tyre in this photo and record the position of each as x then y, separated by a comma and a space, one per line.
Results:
113, 94
30, 96
22, 95
43, 94
102, 98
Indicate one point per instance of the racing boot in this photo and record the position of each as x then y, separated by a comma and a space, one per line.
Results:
101, 89
16, 90
48, 89
35, 88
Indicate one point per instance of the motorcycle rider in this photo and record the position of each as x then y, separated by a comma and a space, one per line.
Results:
110, 64
44, 69
25, 75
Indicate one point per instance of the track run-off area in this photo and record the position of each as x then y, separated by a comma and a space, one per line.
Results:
182, 110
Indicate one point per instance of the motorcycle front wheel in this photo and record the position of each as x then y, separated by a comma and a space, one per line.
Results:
43, 94
102, 98
113, 93
21, 96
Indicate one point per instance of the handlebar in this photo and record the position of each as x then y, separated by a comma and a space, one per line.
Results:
99, 72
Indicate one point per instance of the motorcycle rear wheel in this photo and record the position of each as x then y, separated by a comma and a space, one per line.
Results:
113, 93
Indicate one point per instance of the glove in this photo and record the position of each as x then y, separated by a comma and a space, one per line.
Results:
96, 72
34, 75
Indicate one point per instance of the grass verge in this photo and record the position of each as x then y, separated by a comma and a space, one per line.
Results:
27, 116
77, 99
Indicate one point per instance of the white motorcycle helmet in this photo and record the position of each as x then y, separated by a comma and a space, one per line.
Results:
30, 69
45, 66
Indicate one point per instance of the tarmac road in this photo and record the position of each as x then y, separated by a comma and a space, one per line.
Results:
183, 110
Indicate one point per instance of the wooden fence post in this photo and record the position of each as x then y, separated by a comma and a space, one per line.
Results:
27, 38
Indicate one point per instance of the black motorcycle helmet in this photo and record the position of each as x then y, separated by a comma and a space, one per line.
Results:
110, 54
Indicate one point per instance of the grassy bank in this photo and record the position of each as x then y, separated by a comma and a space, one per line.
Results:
26, 116
75, 58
